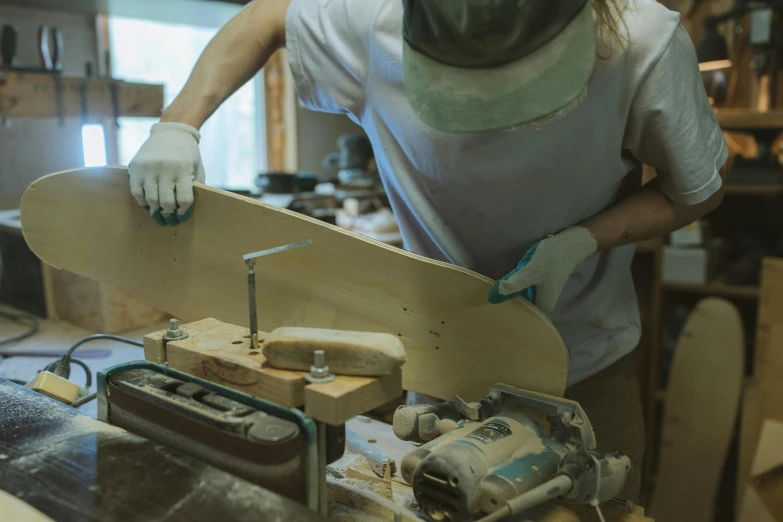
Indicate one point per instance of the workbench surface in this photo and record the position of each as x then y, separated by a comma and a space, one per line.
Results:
73, 468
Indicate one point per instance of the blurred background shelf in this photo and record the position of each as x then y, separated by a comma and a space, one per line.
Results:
715, 289
747, 119
754, 190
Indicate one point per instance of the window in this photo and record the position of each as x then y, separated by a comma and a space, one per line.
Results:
154, 51
94, 145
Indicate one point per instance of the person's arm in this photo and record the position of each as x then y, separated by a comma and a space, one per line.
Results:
646, 214
162, 172
671, 127
237, 52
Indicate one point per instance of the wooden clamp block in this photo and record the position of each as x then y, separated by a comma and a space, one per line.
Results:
219, 352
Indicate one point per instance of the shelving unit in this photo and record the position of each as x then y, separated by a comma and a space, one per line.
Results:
715, 289
753, 190
743, 200
732, 119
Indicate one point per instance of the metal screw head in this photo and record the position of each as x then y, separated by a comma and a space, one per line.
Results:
174, 324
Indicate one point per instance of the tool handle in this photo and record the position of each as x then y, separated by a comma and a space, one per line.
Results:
8, 46
57, 55
43, 47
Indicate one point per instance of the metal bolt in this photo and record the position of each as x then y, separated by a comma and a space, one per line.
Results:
319, 371
174, 332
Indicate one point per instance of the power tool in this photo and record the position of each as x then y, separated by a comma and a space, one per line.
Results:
509, 452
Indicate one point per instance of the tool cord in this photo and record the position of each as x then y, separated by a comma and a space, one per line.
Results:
594, 501
62, 365
32, 329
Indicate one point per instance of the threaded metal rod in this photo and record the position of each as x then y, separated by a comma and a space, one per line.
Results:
251, 302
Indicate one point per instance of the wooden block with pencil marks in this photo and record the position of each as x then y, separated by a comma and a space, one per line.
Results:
220, 353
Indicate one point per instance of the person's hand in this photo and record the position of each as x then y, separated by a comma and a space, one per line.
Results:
163, 171
543, 272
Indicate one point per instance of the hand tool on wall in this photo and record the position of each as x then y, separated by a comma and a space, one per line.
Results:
50, 48
8, 42
250, 261
501, 453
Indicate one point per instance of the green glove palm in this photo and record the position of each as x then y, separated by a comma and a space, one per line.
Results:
542, 273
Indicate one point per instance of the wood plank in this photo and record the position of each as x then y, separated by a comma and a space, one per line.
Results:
750, 426
347, 396
35, 95
762, 401
383, 435
770, 308
220, 353
457, 343
13, 508
700, 413
763, 499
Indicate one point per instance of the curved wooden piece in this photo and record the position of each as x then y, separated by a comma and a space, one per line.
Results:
86, 221
16, 509
701, 412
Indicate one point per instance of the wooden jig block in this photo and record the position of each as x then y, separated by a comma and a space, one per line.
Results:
347, 352
219, 352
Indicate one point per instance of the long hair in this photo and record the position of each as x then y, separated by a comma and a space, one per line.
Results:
610, 26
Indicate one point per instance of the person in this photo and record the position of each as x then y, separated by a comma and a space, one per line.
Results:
510, 137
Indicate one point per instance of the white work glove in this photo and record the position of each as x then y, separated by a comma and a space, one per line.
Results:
547, 265
163, 171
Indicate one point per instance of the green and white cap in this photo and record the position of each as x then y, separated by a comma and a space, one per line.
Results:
474, 65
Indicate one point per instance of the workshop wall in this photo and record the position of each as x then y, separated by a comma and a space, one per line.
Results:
31, 148
317, 137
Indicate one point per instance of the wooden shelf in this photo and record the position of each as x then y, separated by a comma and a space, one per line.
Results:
749, 119
716, 289
42, 95
753, 190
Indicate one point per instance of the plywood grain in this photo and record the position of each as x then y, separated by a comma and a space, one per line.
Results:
85, 220
700, 413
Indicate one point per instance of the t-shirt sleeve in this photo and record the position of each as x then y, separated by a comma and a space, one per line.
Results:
672, 127
326, 41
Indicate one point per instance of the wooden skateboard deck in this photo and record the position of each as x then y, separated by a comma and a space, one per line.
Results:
700, 413
86, 221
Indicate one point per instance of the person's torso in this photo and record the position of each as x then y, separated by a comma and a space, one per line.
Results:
481, 200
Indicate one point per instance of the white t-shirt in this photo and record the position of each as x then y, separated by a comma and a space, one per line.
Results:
481, 200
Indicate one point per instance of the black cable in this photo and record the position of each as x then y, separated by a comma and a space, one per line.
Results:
32, 322
96, 337
62, 366
87, 371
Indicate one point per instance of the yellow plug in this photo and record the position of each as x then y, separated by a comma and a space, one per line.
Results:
54, 386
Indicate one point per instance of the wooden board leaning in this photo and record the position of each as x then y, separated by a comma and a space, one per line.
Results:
86, 221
